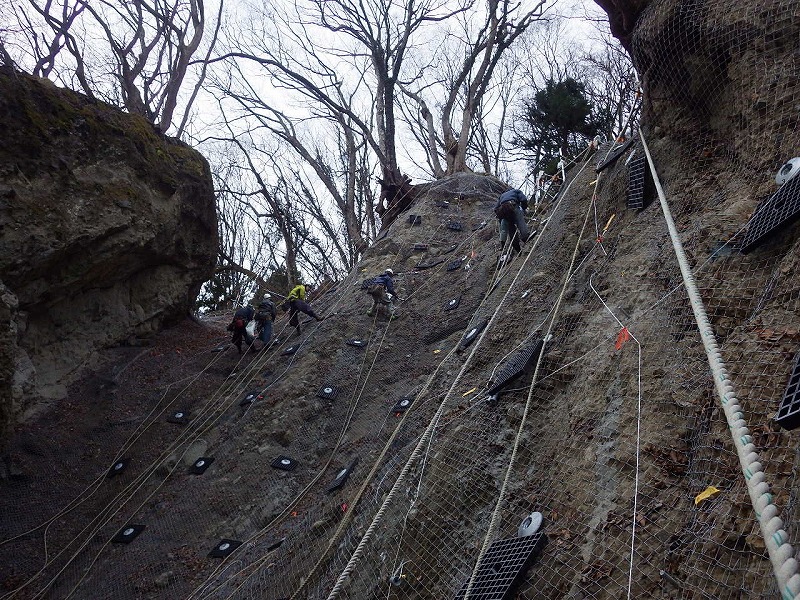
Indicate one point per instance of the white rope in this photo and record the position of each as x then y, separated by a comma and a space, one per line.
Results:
781, 553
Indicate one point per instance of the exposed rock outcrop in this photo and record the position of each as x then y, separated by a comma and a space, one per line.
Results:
109, 230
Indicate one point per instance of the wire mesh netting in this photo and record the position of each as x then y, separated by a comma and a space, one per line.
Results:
613, 434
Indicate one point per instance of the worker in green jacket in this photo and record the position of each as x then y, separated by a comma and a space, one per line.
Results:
296, 303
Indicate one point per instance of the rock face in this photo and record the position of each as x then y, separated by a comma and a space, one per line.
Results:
108, 229
721, 70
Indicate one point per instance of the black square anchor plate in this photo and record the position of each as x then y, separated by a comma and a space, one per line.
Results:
127, 534
223, 548
250, 398
415, 219
402, 404
455, 265
289, 351
284, 463
503, 567
328, 392
453, 303
341, 477
519, 362
473, 333
179, 417
356, 342
118, 468
431, 262
200, 465
455, 226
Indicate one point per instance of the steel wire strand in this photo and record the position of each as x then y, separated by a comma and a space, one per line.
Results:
86, 494
134, 486
351, 411
257, 564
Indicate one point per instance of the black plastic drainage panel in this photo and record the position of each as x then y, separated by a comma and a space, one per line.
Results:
789, 411
520, 362
636, 178
776, 212
289, 351
355, 342
503, 568
415, 219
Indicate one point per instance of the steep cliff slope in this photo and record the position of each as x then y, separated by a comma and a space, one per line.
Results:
612, 433
108, 231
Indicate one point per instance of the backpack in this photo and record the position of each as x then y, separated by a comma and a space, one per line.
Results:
368, 283
266, 310
506, 210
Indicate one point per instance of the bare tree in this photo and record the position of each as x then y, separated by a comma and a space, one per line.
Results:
496, 35
146, 45
338, 159
383, 32
611, 84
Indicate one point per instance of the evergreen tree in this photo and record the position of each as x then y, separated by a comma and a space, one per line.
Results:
558, 117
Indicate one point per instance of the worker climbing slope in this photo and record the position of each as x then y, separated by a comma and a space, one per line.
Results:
510, 210
295, 303
238, 326
264, 317
381, 288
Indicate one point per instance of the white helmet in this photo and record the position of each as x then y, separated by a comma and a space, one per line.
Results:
389, 272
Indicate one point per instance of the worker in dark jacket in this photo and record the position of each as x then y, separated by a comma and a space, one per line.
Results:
296, 302
381, 288
264, 317
238, 326
510, 209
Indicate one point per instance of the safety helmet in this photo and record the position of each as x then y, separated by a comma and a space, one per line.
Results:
389, 272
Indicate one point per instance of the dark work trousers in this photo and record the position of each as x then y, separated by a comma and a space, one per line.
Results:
510, 226
296, 306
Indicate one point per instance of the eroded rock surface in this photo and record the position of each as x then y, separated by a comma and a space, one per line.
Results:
108, 230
